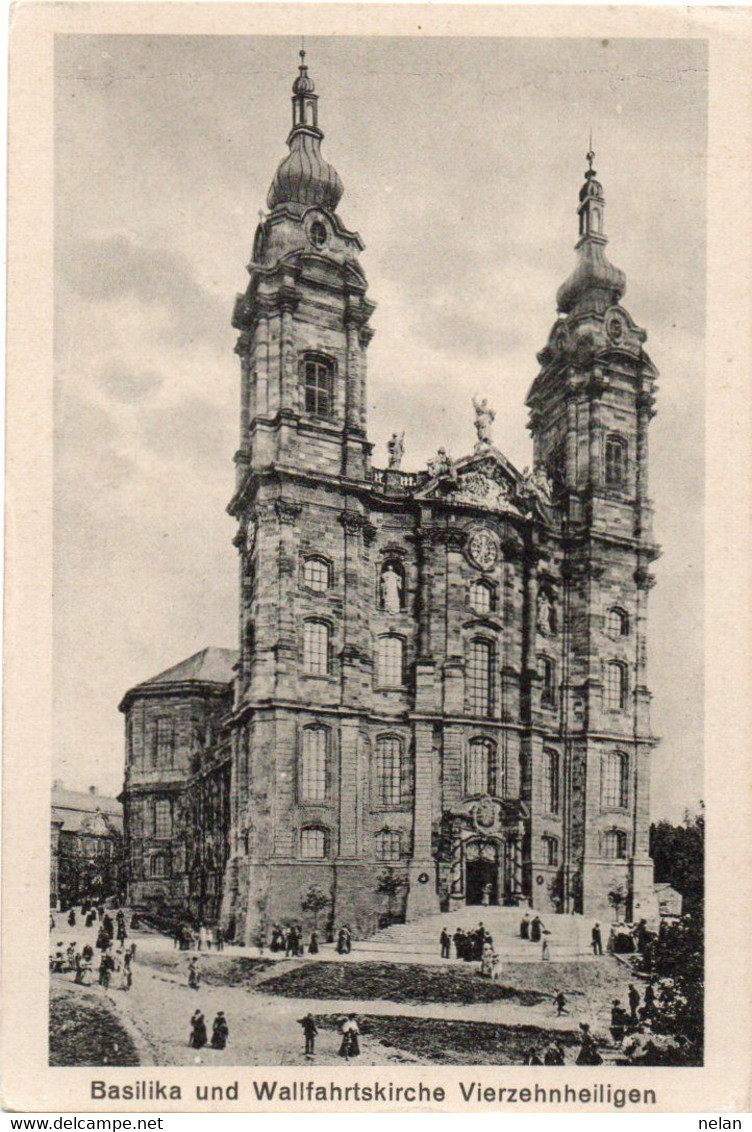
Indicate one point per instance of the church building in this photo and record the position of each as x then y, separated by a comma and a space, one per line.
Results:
439, 695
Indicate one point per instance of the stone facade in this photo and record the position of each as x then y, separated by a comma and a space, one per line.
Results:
440, 694
86, 847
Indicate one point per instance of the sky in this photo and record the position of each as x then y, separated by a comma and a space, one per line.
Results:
462, 160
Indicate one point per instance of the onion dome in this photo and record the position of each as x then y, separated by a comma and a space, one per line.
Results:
304, 177
595, 284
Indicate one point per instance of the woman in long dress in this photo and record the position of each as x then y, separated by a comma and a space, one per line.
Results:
313, 946
198, 1036
486, 962
350, 1046
220, 1031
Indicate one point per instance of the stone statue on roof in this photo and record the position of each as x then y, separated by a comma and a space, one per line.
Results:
484, 418
396, 449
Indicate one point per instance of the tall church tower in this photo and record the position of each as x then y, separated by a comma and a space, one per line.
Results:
590, 408
303, 318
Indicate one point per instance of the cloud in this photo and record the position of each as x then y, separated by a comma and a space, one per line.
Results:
192, 430
123, 384
115, 268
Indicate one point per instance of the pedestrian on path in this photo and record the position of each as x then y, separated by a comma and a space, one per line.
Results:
194, 977
595, 937
350, 1046
531, 1058
310, 1030
560, 1002
544, 945
220, 1031
536, 929
198, 1036
588, 1053
445, 942
634, 1002
313, 945
554, 1055
525, 926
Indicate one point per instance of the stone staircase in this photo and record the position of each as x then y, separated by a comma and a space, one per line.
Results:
418, 941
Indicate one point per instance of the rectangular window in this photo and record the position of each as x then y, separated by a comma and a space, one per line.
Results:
481, 776
313, 770
388, 846
316, 648
163, 742
547, 674
551, 850
616, 686
552, 781
318, 387
312, 844
391, 662
389, 772
480, 678
615, 781
162, 818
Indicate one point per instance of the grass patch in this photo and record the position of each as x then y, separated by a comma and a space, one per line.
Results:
394, 982
84, 1030
456, 1043
216, 970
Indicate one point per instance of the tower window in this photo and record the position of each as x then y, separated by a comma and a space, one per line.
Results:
481, 597
617, 623
481, 768
547, 676
316, 575
551, 781
317, 234
316, 648
313, 843
615, 781
313, 769
391, 661
163, 742
616, 461
615, 845
162, 818
388, 845
390, 771
550, 850
318, 383
480, 678
617, 685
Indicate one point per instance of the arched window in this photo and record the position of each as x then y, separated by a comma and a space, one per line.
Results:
162, 818
159, 866
316, 648
551, 781
316, 574
547, 676
617, 685
391, 661
481, 768
616, 461
480, 690
313, 764
550, 849
482, 596
390, 785
388, 845
392, 586
615, 844
318, 385
313, 843
617, 623
615, 780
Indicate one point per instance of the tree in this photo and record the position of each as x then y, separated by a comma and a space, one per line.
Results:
678, 852
315, 900
390, 883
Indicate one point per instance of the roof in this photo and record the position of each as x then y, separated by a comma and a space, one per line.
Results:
210, 666
77, 811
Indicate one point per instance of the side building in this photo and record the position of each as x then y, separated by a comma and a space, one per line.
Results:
177, 786
86, 847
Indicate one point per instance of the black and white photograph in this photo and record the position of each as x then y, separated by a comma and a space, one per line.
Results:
378, 552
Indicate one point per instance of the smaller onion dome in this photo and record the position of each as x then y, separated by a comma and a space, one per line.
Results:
595, 283
304, 177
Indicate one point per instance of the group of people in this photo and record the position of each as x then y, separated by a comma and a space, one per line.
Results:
202, 938
587, 1053
471, 946
199, 1036
534, 930
290, 941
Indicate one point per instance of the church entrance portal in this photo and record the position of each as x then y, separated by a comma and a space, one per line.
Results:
482, 882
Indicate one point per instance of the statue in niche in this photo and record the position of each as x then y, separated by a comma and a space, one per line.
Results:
484, 418
546, 614
390, 589
396, 450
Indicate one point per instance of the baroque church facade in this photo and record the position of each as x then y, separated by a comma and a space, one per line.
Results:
439, 695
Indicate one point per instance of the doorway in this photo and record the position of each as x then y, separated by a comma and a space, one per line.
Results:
481, 878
